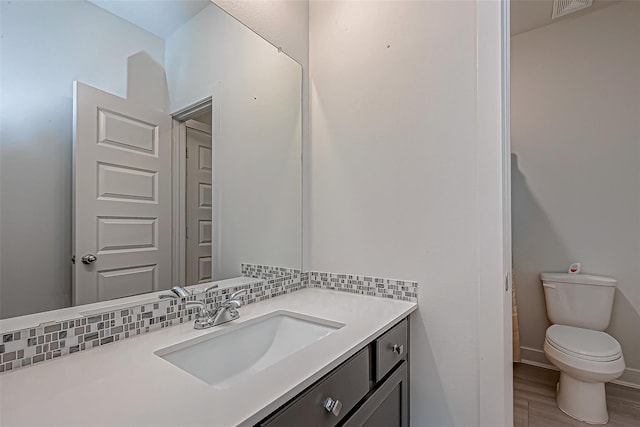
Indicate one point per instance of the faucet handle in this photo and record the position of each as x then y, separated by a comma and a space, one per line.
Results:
235, 294
233, 302
209, 288
203, 306
176, 292
180, 292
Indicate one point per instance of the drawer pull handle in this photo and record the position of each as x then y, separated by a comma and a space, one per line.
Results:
333, 406
398, 349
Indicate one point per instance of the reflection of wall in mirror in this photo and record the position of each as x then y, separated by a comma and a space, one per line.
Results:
257, 99
71, 41
256, 95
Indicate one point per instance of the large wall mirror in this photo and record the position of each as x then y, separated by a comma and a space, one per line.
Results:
144, 144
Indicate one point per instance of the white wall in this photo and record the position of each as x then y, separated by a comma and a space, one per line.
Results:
576, 138
393, 169
71, 41
397, 183
257, 136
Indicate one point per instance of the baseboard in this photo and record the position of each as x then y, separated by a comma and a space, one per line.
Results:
630, 378
536, 357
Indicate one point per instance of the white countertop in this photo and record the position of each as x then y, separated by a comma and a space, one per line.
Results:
126, 384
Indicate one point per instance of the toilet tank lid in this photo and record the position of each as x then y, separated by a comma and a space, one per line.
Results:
587, 279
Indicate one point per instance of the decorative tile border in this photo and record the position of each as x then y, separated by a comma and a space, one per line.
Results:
275, 287
266, 271
373, 286
55, 339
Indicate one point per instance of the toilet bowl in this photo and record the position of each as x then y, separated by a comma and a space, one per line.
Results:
580, 306
587, 359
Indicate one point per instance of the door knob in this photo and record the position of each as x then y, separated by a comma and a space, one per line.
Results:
89, 258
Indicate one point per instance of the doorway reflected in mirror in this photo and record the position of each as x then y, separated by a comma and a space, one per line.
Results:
198, 52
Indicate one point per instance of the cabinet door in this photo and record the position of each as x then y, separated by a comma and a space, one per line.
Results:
388, 406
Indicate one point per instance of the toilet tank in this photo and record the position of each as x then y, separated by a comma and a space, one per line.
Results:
580, 300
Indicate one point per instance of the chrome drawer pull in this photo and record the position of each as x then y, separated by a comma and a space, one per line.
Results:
333, 406
398, 349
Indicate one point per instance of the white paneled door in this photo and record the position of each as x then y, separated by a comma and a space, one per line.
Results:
199, 194
122, 197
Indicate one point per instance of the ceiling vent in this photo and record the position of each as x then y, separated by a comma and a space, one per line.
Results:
565, 7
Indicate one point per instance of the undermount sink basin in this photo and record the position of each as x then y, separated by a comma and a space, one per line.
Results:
220, 359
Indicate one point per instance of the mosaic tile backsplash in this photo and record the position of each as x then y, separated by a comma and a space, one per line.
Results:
55, 339
376, 287
52, 340
266, 271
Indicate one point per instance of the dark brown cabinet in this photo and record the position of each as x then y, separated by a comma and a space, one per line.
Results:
370, 389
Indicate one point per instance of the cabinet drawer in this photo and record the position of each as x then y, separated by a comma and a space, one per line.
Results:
348, 384
391, 348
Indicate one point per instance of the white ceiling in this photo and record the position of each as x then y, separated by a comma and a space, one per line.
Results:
159, 17
527, 15
163, 17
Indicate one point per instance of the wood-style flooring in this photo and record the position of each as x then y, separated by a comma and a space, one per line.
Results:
534, 401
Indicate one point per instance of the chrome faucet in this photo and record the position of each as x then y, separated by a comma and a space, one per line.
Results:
181, 292
223, 313
228, 310
176, 292
204, 317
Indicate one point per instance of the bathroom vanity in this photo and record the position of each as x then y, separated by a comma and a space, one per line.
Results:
86, 340
369, 389
354, 376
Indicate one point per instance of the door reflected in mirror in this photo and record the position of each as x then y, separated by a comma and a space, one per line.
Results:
175, 160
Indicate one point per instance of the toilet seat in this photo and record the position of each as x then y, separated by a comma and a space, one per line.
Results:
584, 344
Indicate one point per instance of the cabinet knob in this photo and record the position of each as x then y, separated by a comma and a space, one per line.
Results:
333, 406
398, 349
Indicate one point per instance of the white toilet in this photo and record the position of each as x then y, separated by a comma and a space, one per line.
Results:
579, 306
